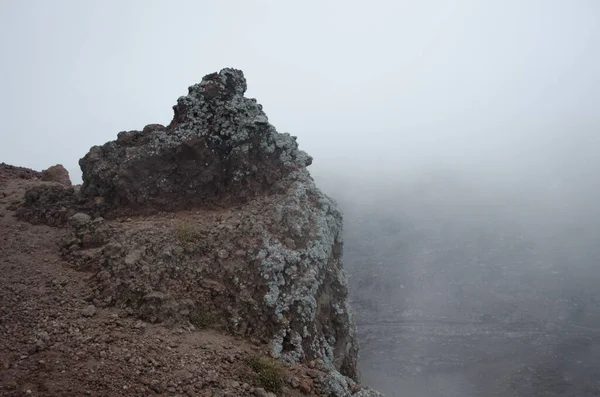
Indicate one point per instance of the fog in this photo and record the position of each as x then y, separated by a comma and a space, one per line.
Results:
465, 287
460, 138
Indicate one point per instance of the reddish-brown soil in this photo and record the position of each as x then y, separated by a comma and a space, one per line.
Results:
54, 342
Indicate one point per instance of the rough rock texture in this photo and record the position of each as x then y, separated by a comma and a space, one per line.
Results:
269, 269
248, 243
10, 171
57, 173
219, 147
79, 220
56, 340
53, 204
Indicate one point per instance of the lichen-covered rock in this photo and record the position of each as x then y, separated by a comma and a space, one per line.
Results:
251, 244
79, 219
337, 385
219, 147
270, 268
57, 173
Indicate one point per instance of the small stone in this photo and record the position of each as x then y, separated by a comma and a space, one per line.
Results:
290, 243
88, 311
79, 219
140, 324
40, 345
212, 377
312, 364
260, 392
313, 373
305, 386
295, 382
199, 385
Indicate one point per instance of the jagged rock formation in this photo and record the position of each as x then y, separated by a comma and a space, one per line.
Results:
250, 245
57, 173
218, 148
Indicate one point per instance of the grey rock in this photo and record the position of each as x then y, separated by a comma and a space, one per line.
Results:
80, 219
88, 311
219, 144
260, 392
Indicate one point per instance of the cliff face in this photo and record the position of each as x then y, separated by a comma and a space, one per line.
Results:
213, 220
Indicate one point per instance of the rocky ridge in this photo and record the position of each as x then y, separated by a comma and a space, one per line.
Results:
212, 222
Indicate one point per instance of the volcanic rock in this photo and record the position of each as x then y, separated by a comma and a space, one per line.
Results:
250, 244
219, 147
56, 173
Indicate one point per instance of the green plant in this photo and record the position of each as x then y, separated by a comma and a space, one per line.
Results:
187, 234
270, 372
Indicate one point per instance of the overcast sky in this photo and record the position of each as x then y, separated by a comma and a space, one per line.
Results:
368, 86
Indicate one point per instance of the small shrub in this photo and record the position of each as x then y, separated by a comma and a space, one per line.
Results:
202, 319
270, 372
187, 234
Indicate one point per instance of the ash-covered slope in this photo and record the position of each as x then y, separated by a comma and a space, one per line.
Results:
215, 220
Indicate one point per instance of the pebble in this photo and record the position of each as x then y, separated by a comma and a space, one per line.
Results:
305, 386
88, 311
260, 392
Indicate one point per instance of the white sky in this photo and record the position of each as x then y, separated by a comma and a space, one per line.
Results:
371, 87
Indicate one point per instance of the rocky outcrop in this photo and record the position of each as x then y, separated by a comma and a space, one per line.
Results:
219, 147
11, 171
57, 173
51, 204
213, 220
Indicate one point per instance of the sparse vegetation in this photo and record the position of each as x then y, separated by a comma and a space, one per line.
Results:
270, 372
187, 234
202, 319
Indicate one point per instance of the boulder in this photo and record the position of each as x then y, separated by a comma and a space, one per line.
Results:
56, 173
79, 219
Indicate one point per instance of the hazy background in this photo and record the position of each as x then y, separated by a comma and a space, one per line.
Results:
460, 137
377, 88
